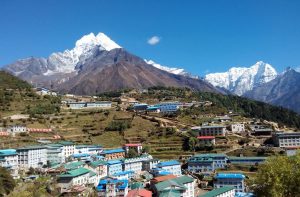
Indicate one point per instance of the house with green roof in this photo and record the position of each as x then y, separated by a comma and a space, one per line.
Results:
179, 186
76, 177
74, 165
99, 167
220, 192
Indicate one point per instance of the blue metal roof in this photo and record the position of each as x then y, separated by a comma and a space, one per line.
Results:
168, 163
229, 176
120, 184
112, 162
77, 155
118, 150
8, 152
123, 173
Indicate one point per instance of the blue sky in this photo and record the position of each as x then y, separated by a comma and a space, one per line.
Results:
200, 36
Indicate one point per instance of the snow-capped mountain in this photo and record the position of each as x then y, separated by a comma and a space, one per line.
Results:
176, 71
239, 80
97, 64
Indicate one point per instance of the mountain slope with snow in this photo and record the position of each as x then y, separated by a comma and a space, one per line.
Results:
239, 80
97, 64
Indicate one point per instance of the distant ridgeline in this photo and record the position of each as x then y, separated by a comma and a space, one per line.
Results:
223, 103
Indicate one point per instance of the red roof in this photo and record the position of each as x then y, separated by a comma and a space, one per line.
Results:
139, 193
133, 145
163, 178
205, 137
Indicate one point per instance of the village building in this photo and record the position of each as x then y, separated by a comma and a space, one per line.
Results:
15, 129
68, 148
114, 166
231, 180
237, 128
221, 192
210, 130
223, 119
247, 160
139, 193
287, 140
32, 156
179, 186
137, 147
168, 107
99, 167
118, 153
207, 163
207, 140
80, 176
55, 154
172, 166
9, 160
112, 187
258, 130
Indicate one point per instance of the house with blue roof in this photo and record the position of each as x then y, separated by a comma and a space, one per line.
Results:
114, 166
112, 187
124, 175
110, 154
81, 156
168, 107
172, 167
207, 163
9, 160
229, 179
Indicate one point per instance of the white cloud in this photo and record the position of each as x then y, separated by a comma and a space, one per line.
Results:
297, 69
153, 40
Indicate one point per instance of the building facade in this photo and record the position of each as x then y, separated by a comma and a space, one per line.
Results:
9, 160
207, 163
231, 180
32, 156
237, 128
287, 140
171, 166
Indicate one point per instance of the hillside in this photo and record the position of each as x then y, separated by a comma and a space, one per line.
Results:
8, 81
17, 96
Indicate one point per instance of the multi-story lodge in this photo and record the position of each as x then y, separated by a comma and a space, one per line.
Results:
220, 192
168, 107
171, 166
247, 160
68, 148
55, 154
287, 140
237, 128
112, 187
118, 153
212, 130
114, 166
84, 105
137, 147
179, 186
9, 160
207, 163
13, 130
207, 140
32, 156
233, 180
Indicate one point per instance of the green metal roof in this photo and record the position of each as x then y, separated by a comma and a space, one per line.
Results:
178, 181
217, 192
92, 173
137, 185
73, 165
170, 193
31, 148
75, 173
66, 143
95, 164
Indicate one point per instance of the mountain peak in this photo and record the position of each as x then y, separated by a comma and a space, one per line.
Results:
90, 40
239, 80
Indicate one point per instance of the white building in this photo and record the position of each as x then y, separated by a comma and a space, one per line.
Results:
32, 156
287, 140
13, 130
133, 164
68, 148
171, 166
237, 128
88, 149
55, 153
9, 160
213, 130
80, 176
99, 104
